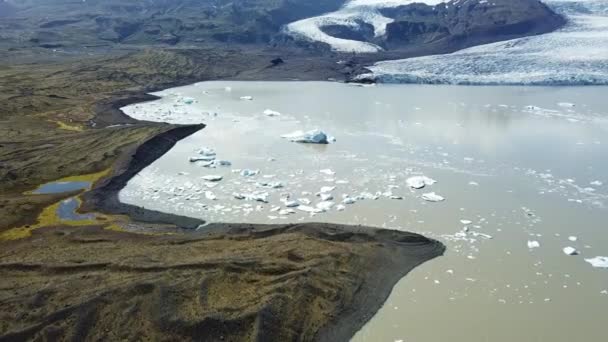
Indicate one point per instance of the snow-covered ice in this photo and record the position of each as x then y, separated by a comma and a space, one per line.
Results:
352, 14
432, 197
598, 261
314, 136
576, 54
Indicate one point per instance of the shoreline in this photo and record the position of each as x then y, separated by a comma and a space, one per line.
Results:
397, 249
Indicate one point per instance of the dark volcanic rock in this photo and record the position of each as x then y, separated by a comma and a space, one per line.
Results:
460, 24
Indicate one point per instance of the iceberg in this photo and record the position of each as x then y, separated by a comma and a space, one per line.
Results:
419, 182
314, 136
598, 261
432, 197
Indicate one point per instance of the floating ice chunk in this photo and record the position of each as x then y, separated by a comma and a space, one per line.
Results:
286, 212
326, 197
308, 209
572, 238
249, 173
205, 151
348, 200
396, 197
314, 136
273, 185
328, 172
596, 183
432, 197
238, 196
419, 182
247, 98
270, 112
570, 251
277, 208
566, 104
201, 158
212, 178
472, 183
466, 221
325, 205
327, 189
215, 163
340, 207
210, 195
257, 196
533, 244
227, 89
598, 261
291, 204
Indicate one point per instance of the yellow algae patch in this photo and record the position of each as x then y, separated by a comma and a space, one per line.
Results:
47, 218
65, 126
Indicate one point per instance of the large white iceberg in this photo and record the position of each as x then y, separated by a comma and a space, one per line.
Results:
314, 136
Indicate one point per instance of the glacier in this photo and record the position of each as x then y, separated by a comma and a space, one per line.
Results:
351, 15
577, 54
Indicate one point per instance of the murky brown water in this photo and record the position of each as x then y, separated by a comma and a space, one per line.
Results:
521, 163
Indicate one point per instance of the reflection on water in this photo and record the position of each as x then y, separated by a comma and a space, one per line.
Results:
515, 164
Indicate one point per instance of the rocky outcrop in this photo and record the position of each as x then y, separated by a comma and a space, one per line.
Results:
460, 24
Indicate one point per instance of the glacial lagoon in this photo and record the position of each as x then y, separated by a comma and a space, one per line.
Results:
522, 171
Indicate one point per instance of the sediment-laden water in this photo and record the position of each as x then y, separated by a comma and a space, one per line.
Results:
523, 172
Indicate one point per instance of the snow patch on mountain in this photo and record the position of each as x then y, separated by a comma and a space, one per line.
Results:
577, 54
352, 14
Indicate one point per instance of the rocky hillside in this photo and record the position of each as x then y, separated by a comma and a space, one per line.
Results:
322, 25
67, 23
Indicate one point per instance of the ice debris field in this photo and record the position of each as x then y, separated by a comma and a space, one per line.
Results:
479, 179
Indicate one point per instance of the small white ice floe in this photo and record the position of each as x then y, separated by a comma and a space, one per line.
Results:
201, 158
572, 238
205, 151
472, 183
227, 89
291, 204
210, 195
340, 207
419, 182
254, 196
327, 189
325, 205
598, 261
396, 197
314, 136
272, 185
326, 196
465, 222
216, 163
328, 172
308, 209
212, 178
349, 200
432, 197
270, 112
566, 104
570, 251
285, 212
533, 244
247, 98
596, 183
249, 173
